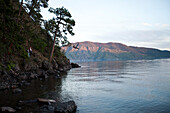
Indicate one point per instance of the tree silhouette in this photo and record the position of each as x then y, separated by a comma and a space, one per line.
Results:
60, 26
32, 7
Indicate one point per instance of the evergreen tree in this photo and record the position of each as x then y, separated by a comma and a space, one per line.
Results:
32, 7
60, 26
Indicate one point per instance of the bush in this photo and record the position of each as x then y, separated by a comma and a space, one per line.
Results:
10, 65
38, 44
23, 52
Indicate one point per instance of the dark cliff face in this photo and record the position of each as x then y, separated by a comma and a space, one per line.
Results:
112, 51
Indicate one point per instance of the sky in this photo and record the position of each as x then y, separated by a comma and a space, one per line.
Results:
141, 23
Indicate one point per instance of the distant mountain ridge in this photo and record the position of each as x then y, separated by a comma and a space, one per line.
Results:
94, 51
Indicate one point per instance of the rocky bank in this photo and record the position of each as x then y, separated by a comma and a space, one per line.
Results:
35, 67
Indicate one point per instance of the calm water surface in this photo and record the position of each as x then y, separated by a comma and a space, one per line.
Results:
141, 86
120, 86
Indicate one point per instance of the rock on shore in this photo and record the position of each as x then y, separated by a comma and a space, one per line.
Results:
19, 76
74, 65
7, 109
65, 107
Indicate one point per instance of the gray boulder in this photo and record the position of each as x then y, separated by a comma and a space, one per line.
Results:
51, 72
33, 76
30, 67
46, 65
7, 109
23, 77
16, 68
17, 90
66, 107
41, 73
74, 65
46, 109
55, 65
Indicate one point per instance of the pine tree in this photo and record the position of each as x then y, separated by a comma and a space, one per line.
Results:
60, 26
32, 7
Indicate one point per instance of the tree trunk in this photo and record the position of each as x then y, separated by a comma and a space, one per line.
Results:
19, 10
51, 56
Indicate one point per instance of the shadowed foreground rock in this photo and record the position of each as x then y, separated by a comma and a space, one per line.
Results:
45, 101
66, 107
17, 90
7, 110
50, 106
74, 65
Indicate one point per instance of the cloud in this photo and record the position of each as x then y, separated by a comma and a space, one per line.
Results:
146, 24
163, 44
159, 39
156, 26
165, 25
149, 35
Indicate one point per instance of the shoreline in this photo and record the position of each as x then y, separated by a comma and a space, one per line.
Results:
16, 79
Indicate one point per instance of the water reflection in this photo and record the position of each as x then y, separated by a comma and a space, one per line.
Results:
100, 71
104, 87
49, 88
120, 86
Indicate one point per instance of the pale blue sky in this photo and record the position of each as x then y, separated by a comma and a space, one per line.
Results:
144, 23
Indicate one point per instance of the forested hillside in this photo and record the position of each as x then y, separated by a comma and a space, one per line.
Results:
22, 26
112, 51
29, 45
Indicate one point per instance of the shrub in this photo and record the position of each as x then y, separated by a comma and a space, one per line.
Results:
39, 44
10, 65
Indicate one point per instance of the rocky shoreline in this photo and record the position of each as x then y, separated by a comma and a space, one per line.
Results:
47, 106
19, 76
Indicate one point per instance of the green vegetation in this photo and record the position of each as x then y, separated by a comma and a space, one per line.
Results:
60, 26
11, 65
22, 26
39, 44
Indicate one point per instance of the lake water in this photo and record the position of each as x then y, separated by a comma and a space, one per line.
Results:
141, 86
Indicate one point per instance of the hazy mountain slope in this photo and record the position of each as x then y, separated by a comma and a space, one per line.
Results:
112, 51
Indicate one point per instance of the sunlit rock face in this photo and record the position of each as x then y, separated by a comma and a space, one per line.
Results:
111, 51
